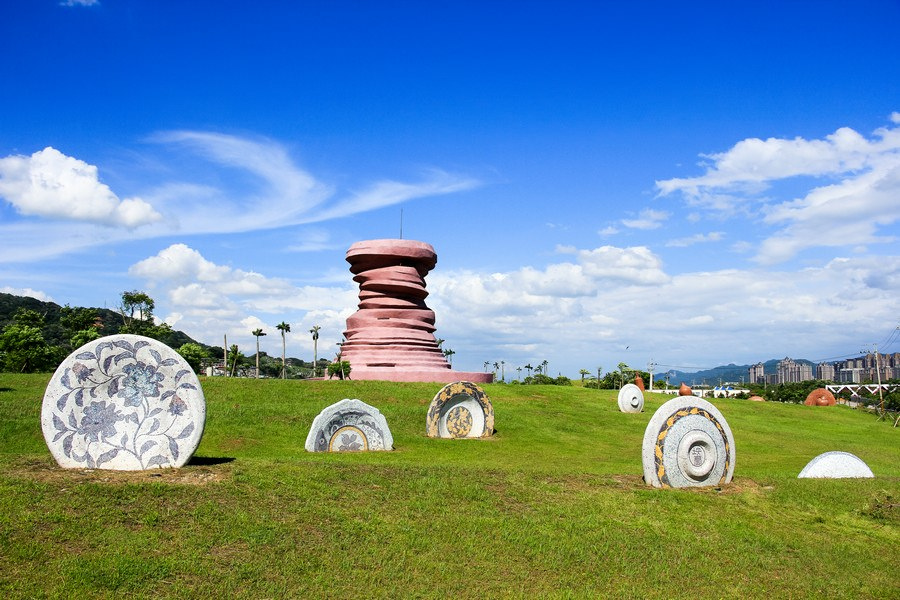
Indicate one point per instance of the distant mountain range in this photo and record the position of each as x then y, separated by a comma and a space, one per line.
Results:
733, 374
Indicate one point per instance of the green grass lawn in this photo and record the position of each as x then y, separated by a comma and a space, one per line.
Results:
552, 506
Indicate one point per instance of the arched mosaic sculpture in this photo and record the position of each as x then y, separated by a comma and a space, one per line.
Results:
688, 444
125, 403
631, 398
460, 410
349, 426
836, 465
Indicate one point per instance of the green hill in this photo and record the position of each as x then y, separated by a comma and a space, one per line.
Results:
110, 320
552, 506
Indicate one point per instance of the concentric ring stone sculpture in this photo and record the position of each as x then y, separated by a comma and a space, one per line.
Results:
631, 398
460, 410
836, 465
349, 426
125, 403
688, 443
391, 335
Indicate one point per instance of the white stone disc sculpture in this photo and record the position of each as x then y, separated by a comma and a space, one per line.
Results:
631, 399
688, 444
836, 465
348, 426
125, 403
460, 410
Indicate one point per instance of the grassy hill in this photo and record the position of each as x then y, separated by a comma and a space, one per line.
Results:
110, 321
552, 506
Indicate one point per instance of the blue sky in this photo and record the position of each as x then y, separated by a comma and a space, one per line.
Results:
689, 183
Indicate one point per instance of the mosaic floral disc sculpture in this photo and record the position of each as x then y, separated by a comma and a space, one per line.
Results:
349, 426
836, 465
123, 402
688, 444
631, 398
460, 410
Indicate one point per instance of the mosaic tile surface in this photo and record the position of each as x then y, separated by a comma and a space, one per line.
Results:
688, 443
123, 402
350, 425
460, 410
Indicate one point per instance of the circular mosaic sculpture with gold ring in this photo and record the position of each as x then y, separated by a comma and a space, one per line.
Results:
688, 443
460, 410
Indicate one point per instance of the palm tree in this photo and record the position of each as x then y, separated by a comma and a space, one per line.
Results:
233, 351
503, 370
487, 363
258, 333
283, 328
529, 368
519, 376
449, 354
440, 341
544, 365
583, 372
315, 335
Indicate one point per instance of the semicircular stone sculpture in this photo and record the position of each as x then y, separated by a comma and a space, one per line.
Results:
391, 335
836, 465
350, 425
124, 403
460, 410
820, 397
688, 443
631, 398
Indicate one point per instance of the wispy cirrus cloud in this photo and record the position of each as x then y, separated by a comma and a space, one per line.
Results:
647, 219
699, 238
256, 186
857, 199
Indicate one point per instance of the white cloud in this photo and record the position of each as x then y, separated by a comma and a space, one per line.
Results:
699, 238
52, 185
80, 3
648, 219
578, 312
857, 200
207, 301
26, 292
607, 231
712, 317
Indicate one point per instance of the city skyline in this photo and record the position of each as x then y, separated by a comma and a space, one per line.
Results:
684, 185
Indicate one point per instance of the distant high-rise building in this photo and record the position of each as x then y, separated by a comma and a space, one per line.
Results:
757, 373
791, 371
825, 371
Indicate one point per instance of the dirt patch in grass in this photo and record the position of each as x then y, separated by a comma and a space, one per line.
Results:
46, 472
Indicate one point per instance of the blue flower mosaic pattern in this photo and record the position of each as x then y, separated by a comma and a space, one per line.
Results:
123, 402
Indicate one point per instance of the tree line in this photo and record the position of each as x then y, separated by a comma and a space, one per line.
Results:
36, 336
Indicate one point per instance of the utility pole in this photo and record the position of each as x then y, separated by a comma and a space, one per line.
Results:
650, 366
878, 373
